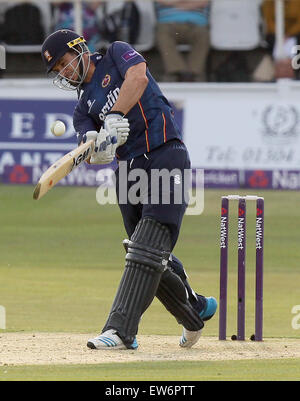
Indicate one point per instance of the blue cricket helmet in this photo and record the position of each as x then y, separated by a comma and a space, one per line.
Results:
57, 45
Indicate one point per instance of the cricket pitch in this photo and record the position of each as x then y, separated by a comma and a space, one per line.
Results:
70, 348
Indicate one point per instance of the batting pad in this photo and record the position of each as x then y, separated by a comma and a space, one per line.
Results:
147, 256
172, 294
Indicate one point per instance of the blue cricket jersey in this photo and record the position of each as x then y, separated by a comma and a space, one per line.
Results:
151, 119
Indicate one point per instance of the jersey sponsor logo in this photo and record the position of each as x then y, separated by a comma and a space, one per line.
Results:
112, 97
129, 55
106, 81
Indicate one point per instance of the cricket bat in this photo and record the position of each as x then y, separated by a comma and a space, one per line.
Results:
62, 167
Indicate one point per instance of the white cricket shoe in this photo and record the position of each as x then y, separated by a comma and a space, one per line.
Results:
189, 338
109, 340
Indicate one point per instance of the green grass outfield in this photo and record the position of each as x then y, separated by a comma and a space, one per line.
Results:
265, 370
62, 258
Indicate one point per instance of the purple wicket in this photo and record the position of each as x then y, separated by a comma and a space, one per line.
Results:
259, 269
241, 266
241, 269
223, 268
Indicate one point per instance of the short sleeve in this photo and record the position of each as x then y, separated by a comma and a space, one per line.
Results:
124, 56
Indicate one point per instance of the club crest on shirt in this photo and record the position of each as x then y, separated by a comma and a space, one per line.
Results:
106, 81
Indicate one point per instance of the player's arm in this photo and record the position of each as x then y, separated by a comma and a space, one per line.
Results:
82, 122
116, 127
86, 129
132, 89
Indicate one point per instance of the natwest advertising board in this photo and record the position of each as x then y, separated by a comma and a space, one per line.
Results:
240, 134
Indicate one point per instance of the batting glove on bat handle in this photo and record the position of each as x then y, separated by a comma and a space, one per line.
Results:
103, 151
96, 136
89, 136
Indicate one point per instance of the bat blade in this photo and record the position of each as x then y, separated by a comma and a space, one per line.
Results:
62, 167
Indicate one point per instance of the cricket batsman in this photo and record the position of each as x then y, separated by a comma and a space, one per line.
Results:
121, 107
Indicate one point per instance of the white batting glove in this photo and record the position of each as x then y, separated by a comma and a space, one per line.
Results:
118, 128
103, 151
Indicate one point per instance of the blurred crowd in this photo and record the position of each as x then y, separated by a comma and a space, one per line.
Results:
183, 41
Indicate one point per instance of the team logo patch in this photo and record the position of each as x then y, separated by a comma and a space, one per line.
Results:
129, 55
48, 56
106, 81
